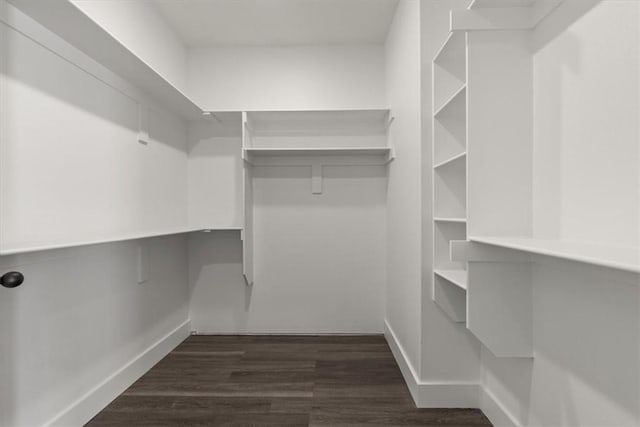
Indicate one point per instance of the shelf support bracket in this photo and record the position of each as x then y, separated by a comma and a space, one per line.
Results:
316, 178
143, 124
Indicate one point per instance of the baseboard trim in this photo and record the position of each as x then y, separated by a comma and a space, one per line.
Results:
495, 411
431, 394
86, 407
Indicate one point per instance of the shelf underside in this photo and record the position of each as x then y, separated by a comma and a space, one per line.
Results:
70, 23
321, 123
621, 258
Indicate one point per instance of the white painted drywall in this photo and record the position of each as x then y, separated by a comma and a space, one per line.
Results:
404, 287
449, 352
80, 317
586, 137
586, 331
319, 259
141, 28
71, 166
215, 177
287, 78
73, 169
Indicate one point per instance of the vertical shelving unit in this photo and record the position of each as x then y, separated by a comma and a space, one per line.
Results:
450, 174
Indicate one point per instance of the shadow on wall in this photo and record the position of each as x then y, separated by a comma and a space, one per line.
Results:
24, 61
219, 298
566, 14
587, 348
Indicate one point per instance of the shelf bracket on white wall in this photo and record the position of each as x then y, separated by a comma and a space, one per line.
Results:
316, 178
143, 124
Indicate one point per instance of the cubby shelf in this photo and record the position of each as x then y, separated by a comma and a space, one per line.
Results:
75, 27
457, 277
455, 105
457, 157
122, 238
620, 258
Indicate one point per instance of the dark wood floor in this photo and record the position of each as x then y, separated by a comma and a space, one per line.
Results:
277, 381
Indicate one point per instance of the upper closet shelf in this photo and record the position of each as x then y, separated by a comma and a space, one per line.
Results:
76, 28
319, 123
121, 238
620, 258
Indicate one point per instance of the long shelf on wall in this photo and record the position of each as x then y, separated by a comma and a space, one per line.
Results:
69, 22
620, 258
122, 238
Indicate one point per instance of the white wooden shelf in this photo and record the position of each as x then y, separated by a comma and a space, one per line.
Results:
453, 220
620, 258
451, 298
457, 157
75, 27
457, 277
455, 106
122, 238
319, 122
313, 151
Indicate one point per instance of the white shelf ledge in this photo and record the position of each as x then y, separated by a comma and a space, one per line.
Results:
319, 122
455, 105
620, 258
329, 151
452, 159
457, 277
132, 236
455, 220
67, 21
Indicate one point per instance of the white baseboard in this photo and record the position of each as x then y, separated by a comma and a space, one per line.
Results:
85, 408
431, 394
495, 411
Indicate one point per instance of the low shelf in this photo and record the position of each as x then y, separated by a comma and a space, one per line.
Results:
457, 277
457, 157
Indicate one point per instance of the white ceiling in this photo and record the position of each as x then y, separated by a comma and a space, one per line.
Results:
278, 22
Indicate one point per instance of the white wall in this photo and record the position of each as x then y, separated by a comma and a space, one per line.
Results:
586, 330
287, 78
66, 123
215, 176
141, 28
72, 166
79, 318
319, 259
586, 137
404, 289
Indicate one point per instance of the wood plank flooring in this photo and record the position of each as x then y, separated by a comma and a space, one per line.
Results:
277, 381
